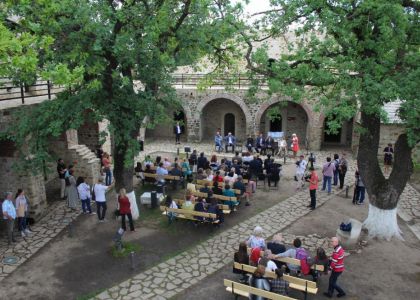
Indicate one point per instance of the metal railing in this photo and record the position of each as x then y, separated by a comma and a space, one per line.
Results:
9, 91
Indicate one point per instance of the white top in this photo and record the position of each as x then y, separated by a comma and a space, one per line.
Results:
210, 177
173, 204
84, 191
271, 266
302, 167
247, 158
178, 129
167, 164
100, 191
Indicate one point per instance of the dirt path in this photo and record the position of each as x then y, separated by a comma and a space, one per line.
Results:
73, 268
382, 271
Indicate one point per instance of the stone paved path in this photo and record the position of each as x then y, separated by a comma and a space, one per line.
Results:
186, 269
43, 232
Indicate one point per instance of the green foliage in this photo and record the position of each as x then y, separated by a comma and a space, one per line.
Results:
351, 55
113, 58
126, 250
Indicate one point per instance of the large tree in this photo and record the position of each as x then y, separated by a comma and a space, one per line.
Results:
114, 58
353, 56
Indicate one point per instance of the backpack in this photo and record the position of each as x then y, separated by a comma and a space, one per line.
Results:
93, 193
302, 255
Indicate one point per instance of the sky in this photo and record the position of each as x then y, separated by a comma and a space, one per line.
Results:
257, 6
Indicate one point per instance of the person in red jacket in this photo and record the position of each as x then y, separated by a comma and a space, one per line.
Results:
125, 210
336, 267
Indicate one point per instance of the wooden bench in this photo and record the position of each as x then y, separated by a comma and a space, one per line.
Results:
221, 184
295, 283
223, 207
197, 187
166, 177
218, 197
190, 215
239, 289
296, 262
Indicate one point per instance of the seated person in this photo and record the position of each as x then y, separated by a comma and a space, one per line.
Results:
149, 171
213, 208
166, 163
218, 141
249, 143
176, 171
258, 281
260, 144
200, 206
230, 142
321, 258
247, 158
217, 178
209, 174
276, 245
239, 185
278, 284
256, 240
205, 189
242, 257
238, 158
267, 162
213, 163
266, 262
148, 161
217, 190
296, 252
170, 204
161, 172
237, 167
229, 193
200, 174
158, 160
230, 178
189, 202
139, 171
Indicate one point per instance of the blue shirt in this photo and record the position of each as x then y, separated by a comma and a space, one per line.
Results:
9, 208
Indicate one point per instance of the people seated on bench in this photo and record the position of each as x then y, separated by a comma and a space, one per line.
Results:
217, 177
239, 185
170, 204
213, 207
210, 176
200, 206
296, 252
189, 201
230, 178
158, 160
256, 240
237, 167
200, 174
148, 161
276, 245
205, 188
202, 161
176, 162
278, 284
161, 172
185, 165
267, 262
237, 157
241, 256
321, 258
255, 256
176, 171
217, 190
229, 193
257, 280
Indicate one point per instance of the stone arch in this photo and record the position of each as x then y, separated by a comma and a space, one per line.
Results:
230, 97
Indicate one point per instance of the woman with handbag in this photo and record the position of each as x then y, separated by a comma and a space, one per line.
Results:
124, 210
21, 203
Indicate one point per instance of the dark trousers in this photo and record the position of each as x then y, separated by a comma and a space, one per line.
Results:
130, 221
341, 177
230, 145
261, 150
312, 193
177, 136
108, 177
21, 223
360, 194
335, 180
10, 227
332, 284
86, 205
101, 209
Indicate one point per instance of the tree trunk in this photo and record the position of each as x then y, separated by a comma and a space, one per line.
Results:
384, 193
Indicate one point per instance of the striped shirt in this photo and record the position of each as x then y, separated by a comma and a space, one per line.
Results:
337, 259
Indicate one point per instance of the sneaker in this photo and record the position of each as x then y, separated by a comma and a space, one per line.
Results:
360, 203
328, 295
92, 213
23, 234
341, 295
101, 221
27, 231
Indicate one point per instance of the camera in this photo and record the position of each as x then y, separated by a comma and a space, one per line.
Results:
307, 177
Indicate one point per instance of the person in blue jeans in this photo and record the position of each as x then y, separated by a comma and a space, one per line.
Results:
336, 172
360, 190
328, 172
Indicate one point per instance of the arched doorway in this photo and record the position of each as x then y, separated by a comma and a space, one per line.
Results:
229, 124
224, 114
165, 128
284, 116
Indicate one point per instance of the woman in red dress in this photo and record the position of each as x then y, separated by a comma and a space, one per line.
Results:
125, 210
295, 145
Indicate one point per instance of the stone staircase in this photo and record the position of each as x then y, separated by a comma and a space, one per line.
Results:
86, 164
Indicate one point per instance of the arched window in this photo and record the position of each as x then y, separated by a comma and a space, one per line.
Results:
229, 123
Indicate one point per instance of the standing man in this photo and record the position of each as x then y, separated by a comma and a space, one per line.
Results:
177, 131
230, 141
9, 215
61, 170
336, 267
359, 195
260, 144
327, 172
99, 190
313, 186
300, 171
342, 169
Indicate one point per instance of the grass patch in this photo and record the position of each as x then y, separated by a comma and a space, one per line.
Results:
126, 250
416, 167
90, 295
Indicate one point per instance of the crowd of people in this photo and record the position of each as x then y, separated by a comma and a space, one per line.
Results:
265, 256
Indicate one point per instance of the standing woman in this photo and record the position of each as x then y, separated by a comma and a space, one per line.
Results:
72, 194
124, 207
389, 151
106, 161
22, 211
295, 145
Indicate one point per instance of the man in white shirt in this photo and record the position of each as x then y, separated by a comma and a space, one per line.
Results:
161, 172
100, 197
300, 171
9, 215
178, 131
230, 141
